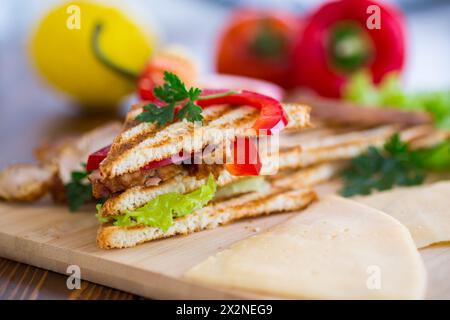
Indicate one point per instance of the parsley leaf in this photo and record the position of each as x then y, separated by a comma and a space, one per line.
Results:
78, 190
191, 112
174, 93
379, 170
158, 115
172, 90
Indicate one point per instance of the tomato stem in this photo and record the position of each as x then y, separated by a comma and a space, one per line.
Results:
103, 59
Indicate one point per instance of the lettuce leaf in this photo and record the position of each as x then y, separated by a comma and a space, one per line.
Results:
360, 89
160, 211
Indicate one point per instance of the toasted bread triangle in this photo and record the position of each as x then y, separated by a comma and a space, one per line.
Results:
141, 143
216, 214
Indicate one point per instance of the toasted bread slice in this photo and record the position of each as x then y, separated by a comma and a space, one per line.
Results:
309, 176
331, 137
211, 216
343, 147
432, 139
341, 112
141, 143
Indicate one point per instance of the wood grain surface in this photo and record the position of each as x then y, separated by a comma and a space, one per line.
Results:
50, 237
20, 281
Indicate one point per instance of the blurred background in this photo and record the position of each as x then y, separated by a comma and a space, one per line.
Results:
33, 111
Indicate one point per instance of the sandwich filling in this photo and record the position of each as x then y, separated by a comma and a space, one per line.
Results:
161, 211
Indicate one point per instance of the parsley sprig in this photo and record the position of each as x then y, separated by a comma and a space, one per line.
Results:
174, 94
394, 165
79, 189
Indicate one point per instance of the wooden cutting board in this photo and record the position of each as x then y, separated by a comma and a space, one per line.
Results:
50, 237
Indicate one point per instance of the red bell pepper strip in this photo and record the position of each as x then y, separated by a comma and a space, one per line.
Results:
336, 42
164, 162
272, 116
246, 160
272, 119
95, 158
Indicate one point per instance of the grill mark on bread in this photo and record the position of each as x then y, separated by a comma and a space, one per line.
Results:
124, 142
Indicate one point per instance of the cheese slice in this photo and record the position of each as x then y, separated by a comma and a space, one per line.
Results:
424, 210
336, 249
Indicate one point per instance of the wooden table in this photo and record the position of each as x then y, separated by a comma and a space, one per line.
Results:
32, 113
25, 282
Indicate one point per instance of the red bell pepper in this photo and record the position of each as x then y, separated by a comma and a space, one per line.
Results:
336, 42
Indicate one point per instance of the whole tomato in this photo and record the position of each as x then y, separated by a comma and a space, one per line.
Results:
258, 44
